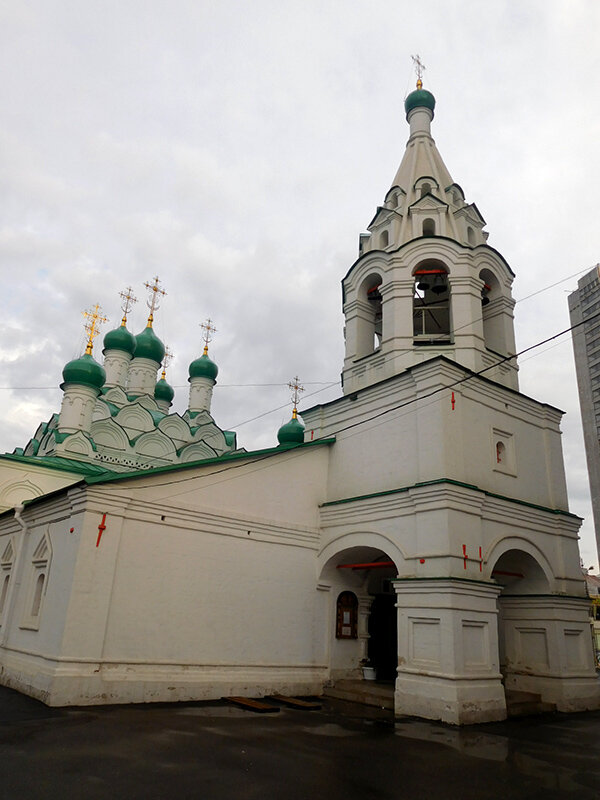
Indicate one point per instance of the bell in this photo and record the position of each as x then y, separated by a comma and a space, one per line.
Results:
484, 300
422, 286
439, 286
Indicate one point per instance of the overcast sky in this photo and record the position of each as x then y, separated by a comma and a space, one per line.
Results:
237, 150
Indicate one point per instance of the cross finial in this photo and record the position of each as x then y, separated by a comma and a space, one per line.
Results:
94, 319
154, 300
419, 69
208, 329
168, 357
296, 389
129, 299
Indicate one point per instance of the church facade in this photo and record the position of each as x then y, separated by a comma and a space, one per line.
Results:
419, 523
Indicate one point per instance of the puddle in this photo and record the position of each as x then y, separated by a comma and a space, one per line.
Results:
329, 729
215, 711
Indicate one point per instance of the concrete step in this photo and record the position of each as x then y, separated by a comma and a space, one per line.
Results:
369, 693
525, 704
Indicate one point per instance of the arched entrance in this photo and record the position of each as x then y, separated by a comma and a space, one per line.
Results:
370, 637
524, 640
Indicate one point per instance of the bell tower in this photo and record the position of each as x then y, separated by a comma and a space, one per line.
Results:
426, 283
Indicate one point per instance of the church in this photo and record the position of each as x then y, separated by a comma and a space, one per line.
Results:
418, 524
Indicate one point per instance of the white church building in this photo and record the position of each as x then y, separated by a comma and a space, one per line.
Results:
420, 521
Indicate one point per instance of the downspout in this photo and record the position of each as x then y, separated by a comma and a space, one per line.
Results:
14, 588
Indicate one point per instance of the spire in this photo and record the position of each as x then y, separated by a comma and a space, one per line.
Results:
296, 390
92, 326
208, 329
293, 431
168, 357
128, 301
154, 299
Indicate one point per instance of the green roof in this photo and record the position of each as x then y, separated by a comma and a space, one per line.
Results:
420, 98
59, 463
85, 371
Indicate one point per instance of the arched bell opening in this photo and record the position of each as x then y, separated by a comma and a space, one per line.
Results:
493, 331
431, 304
364, 614
370, 324
523, 637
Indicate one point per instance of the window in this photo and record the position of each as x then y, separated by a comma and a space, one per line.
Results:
428, 227
470, 235
425, 189
384, 239
346, 626
504, 452
370, 325
431, 304
494, 333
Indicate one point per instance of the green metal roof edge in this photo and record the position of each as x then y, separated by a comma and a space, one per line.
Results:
453, 483
238, 456
59, 463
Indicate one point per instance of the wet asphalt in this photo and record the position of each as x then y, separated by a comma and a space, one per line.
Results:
217, 751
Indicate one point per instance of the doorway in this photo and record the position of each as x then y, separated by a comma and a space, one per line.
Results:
383, 637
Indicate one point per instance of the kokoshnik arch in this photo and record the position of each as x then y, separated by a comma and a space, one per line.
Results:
420, 520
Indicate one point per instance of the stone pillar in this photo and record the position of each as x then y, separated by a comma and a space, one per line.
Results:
201, 389
116, 366
77, 408
141, 377
448, 665
547, 649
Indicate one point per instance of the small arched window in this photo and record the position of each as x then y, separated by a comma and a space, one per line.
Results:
500, 452
470, 235
428, 227
346, 621
425, 189
384, 239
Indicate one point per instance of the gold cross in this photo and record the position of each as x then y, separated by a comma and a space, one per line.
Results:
92, 326
208, 329
419, 69
154, 300
166, 361
296, 389
129, 299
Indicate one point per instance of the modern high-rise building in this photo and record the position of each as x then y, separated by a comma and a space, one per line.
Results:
584, 308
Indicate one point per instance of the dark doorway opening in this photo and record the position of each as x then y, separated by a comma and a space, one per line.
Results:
383, 637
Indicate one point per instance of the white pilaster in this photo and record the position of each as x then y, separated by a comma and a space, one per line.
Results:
448, 665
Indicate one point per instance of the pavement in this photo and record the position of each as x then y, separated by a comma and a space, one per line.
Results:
344, 751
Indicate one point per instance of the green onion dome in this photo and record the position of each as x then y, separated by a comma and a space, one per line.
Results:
85, 371
120, 339
419, 98
164, 391
203, 367
291, 433
148, 345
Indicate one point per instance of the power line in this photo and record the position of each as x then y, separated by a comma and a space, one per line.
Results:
386, 411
